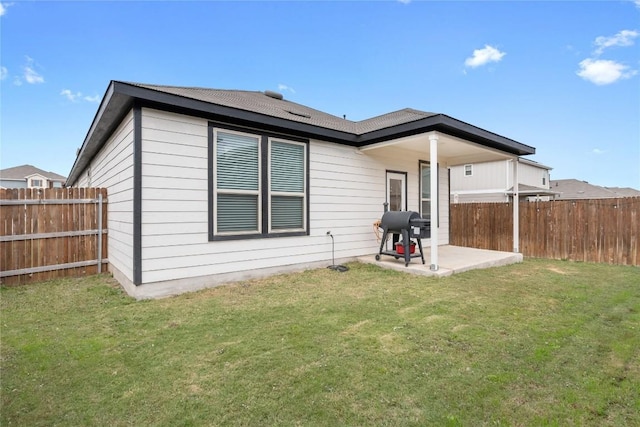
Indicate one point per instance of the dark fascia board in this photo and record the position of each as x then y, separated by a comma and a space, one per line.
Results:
107, 118
120, 97
235, 114
450, 126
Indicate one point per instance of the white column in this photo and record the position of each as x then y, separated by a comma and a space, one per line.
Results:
516, 207
433, 168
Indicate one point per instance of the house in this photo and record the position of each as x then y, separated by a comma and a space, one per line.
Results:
208, 186
493, 181
27, 176
574, 189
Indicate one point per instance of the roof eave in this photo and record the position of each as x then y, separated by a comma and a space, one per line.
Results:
449, 126
120, 97
96, 133
222, 112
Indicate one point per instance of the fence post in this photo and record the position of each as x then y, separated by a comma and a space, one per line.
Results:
99, 256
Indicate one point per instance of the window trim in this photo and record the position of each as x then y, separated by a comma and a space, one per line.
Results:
264, 196
420, 164
217, 191
270, 193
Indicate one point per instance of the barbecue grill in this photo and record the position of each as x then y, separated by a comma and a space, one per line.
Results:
409, 225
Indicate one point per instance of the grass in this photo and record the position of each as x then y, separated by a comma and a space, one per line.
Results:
538, 343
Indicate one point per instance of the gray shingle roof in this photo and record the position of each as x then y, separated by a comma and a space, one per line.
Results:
21, 172
624, 191
260, 102
573, 189
253, 108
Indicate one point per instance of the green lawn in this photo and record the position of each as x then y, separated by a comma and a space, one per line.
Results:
538, 343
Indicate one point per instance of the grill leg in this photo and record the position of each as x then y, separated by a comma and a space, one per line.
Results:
383, 241
420, 247
407, 245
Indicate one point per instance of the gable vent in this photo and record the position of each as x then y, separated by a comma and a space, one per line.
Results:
272, 94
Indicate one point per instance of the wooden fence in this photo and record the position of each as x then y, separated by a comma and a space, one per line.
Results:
48, 233
602, 230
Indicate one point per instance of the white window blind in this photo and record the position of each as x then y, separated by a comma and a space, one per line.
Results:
237, 182
287, 185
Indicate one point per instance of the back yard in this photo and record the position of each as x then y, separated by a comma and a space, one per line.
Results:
542, 342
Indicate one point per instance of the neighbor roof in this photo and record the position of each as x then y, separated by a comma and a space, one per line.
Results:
270, 111
530, 190
624, 191
573, 189
22, 172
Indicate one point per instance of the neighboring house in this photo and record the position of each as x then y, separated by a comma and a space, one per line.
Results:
210, 186
574, 189
27, 176
624, 191
493, 181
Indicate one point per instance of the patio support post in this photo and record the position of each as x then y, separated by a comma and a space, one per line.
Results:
516, 207
433, 170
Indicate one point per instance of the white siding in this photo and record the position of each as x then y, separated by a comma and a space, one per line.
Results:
393, 158
491, 181
112, 168
347, 192
532, 175
486, 176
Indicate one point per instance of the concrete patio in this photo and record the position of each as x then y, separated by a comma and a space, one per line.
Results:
452, 260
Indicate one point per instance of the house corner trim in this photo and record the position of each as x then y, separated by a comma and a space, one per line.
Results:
137, 195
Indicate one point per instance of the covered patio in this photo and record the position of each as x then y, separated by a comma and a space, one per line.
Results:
456, 144
452, 260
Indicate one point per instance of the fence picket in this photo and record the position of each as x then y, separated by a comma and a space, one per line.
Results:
603, 230
45, 212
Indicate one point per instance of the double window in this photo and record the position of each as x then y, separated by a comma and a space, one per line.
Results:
258, 184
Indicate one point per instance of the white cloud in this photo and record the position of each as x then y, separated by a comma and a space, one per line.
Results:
3, 73
285, 87
73, 97
31, 76
623, 38
409, 1
637, 2
94, 98
604, 71
77, 96
598, 151
4, 7
484, 56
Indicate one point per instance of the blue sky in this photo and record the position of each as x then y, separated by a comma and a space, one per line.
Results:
563, 77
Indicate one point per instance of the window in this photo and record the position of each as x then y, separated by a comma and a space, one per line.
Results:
544, 180
258, 185
425, 190
468, 170
237, 183
36, 183
286, 185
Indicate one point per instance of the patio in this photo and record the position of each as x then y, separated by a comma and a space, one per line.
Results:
452, 260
